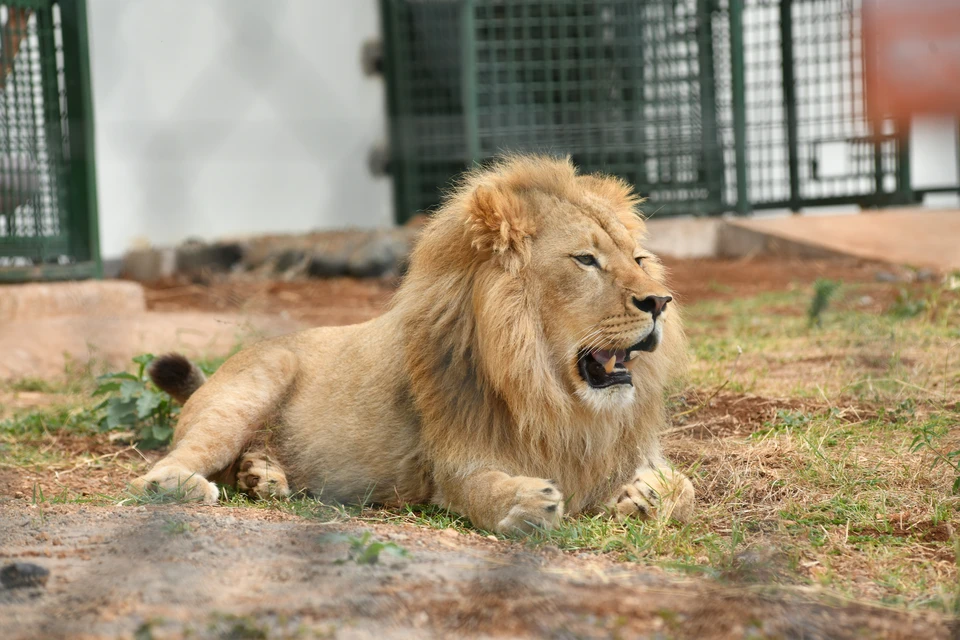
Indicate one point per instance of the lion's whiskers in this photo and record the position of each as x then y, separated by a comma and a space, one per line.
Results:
586, 344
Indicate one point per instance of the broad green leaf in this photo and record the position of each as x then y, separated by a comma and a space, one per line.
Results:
129, 389
161, 433
116, 376
106, 387
147, 403
121, 414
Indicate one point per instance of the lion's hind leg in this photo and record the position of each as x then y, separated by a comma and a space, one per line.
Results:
176, 482
260, 476
218, 424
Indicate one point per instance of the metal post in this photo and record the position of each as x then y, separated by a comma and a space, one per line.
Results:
468, 80
392, 59
84, 230
739, 104
711, 154
905, 193
790, 100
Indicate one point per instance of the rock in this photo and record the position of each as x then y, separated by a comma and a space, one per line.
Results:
925, 275
23, 574
194, 257
325, 265
384, 253
885, 276
287, 259
146, 265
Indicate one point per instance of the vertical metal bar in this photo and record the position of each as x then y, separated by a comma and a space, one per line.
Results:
790, 100
82, 165
468, 80
739, 102
395, 124
904, 180
69, 221
877, 160
712, 154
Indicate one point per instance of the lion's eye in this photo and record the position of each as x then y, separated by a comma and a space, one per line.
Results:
640, 260
586, 260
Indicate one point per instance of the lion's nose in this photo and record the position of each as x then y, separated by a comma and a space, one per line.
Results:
654, 305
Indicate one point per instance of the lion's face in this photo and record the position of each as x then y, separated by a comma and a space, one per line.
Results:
532, 284
604, 301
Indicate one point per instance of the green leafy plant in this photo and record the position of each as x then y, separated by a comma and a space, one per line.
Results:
133, 403
908, 305
363, 550
823, 292
926, 437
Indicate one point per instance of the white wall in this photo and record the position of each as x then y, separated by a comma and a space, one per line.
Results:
223, 117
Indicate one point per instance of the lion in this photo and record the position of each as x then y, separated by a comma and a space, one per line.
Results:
517, 377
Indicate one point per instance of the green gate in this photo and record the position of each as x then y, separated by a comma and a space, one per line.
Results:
48, 204
706, 106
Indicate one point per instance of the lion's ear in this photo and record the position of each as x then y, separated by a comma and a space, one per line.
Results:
498, 222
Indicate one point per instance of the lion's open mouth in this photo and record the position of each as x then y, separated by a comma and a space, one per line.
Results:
602, 368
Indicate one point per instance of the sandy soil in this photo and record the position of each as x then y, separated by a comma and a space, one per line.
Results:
170, 571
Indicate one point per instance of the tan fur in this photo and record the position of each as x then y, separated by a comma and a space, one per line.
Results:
465, 393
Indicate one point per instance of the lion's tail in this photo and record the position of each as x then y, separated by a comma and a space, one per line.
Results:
176, 375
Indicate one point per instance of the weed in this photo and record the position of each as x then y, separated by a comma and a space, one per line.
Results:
237, 628
823, 291
36, 385
177, 527
786, 422
42, 421
134, 403
927, 435
907, 305
364, 550
935, 303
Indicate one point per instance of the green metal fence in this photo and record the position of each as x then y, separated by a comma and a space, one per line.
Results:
706, 106
48, 208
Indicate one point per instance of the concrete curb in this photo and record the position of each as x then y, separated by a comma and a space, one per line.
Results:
25, 302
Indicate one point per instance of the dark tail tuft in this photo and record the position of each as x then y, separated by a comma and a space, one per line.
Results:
176, 375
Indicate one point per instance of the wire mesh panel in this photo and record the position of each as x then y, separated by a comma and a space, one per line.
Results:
423, 57
47, 203
808, 140
702, 104
617, 84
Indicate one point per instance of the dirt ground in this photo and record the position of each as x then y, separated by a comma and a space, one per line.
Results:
230, 573
165, 571
344, 300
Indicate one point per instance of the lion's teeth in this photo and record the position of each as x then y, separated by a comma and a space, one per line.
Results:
611, 363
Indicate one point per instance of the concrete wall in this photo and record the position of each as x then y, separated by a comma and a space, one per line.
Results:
223, 117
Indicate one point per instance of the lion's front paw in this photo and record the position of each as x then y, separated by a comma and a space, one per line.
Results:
176, 483
655, 493
538, 505
261, 477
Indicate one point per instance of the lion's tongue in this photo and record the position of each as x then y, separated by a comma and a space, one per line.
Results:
609, 359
